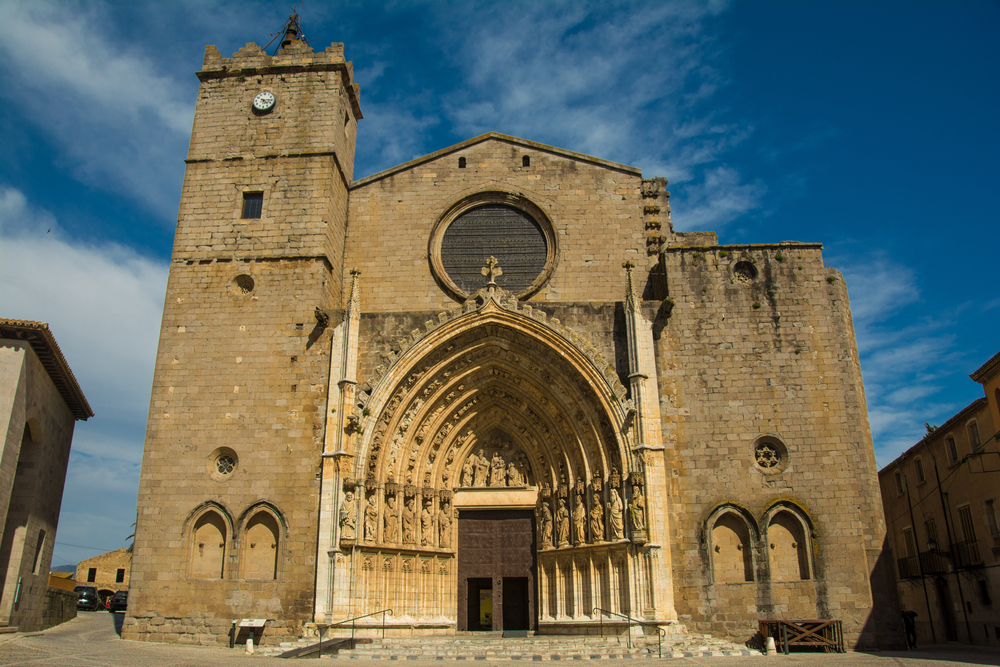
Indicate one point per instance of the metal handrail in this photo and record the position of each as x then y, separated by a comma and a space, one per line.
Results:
661, 633
324, 628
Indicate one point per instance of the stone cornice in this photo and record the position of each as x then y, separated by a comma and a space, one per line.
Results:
496, 136
987, 371
38, 335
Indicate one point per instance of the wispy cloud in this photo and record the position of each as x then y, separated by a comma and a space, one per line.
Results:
906, 356
120, 121
629, 84
104, 305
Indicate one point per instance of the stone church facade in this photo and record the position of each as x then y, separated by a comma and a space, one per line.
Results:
490, 388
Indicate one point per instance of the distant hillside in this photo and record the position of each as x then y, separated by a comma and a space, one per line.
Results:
63, 568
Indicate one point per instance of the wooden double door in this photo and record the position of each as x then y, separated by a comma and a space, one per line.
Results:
496, 570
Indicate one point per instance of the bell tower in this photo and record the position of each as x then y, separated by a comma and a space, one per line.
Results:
229, 485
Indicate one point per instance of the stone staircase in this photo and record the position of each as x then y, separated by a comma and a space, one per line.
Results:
493, 646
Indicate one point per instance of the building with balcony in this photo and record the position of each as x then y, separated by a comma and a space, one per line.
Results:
940, 499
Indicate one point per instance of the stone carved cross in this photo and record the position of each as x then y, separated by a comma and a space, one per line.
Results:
491, 271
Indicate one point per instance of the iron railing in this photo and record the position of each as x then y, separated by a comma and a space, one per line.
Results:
660, 632
324, 628
908, 567
934, 562
966, 554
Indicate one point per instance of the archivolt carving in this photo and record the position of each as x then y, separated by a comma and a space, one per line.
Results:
496, 377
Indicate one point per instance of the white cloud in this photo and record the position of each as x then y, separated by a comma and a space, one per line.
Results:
104, 305
905, 354
121, 122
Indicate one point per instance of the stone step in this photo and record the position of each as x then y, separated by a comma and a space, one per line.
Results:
541, 648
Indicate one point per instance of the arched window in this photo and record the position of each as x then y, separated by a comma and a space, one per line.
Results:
732, 555
787, 540
260, 547
208, 546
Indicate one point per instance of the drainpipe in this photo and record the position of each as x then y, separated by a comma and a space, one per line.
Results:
920, 566
951, 546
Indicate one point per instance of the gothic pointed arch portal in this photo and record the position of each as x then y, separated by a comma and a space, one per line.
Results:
495, 409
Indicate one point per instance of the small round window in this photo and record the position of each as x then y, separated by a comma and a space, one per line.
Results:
770, 454
225, 464
744, 272
242, 285
222, 463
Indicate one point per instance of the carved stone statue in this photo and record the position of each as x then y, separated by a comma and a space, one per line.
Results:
390, 529
427, 524
408, 517
444, 526
597, 521
348, 517
469, 470
546, 526
498, 470
512, 476
580, 520
615, 519
482, 467
562, 523
637, 509
522, 469
371, 519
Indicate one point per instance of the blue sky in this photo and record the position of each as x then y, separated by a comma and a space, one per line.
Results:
869, 127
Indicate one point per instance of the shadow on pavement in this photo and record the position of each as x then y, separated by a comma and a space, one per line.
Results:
119, 621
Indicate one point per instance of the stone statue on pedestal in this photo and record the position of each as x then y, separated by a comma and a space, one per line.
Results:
427, 524
562, 523
616, 524
637, 509
348, 517
597, 521
444, 526
546, 526
408, 517
390, 529
580, 520
371, 519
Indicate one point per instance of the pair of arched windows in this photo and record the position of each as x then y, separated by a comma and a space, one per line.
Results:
735, 537
258, 537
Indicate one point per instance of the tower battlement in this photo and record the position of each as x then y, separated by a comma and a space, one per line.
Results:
298, 56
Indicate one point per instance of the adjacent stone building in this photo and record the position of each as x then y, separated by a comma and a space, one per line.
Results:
40, 402
109, 572
941, 503
489, 388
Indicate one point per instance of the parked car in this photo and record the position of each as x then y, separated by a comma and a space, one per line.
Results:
87, 598
118, 602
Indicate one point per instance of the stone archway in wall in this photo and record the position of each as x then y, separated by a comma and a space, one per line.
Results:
494, 416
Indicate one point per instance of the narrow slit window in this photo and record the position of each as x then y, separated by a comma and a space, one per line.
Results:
91, 575
461, 163
120, 575
526, 161
253, 205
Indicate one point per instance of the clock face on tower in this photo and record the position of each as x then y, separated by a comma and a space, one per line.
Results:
264, 101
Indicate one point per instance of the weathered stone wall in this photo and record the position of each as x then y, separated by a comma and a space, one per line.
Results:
381, 333
243, 365
773, 355
596, 213
42, 606
107, 567
244, 376
39, 433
